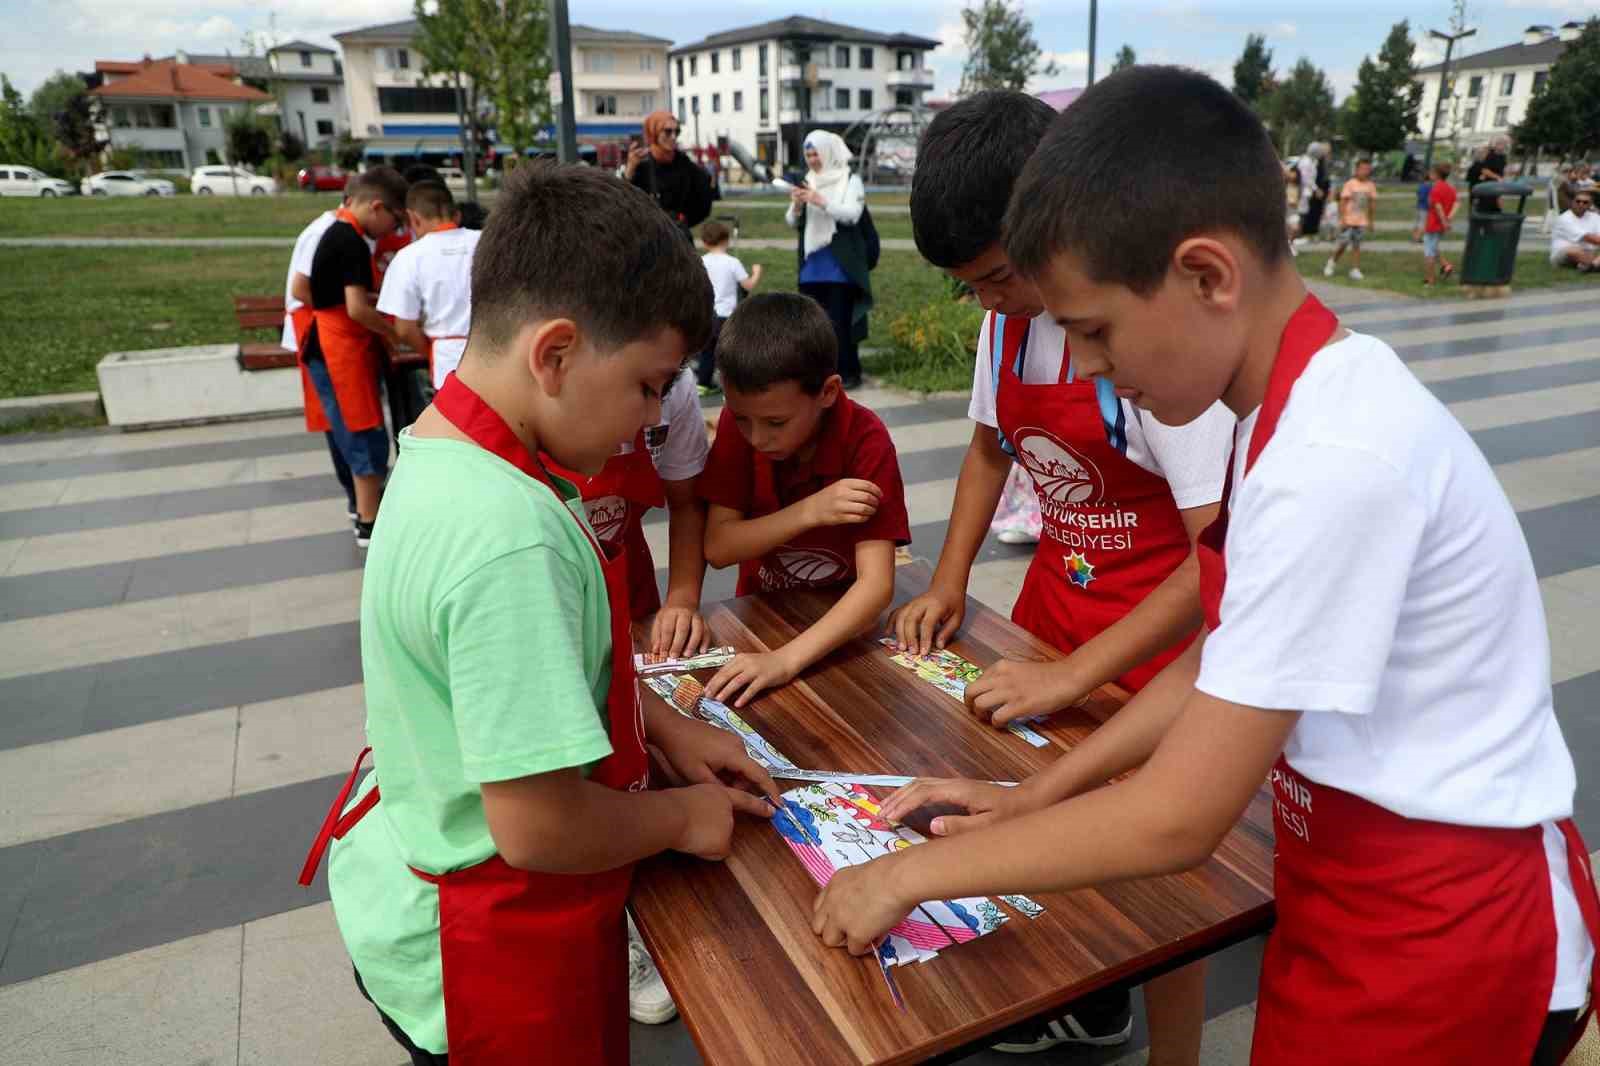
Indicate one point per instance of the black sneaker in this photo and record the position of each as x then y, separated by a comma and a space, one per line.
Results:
364, 532
1099, 1020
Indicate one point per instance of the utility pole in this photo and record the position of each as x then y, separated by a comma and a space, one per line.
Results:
567, 118
1093, 12
1449, 40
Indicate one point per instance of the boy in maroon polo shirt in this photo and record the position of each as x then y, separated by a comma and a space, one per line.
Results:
803, 485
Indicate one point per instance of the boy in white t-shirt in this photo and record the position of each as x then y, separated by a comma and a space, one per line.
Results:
728, 276
1375, 645
428, 286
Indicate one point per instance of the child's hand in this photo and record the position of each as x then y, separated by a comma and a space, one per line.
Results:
1012, 689
750, 674
848, 501
698, 753
985, 803
928, 621
678, 631
708, 812
857, 906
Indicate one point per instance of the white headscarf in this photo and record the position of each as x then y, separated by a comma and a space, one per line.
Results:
831, 181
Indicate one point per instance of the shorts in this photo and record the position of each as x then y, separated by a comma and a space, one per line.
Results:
1422, 217
1559, 250
1352, 235
1430, 245
365, 451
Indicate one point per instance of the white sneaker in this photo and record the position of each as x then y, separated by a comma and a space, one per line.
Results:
1016, 536
1327, 269
1355, 274
649, 1002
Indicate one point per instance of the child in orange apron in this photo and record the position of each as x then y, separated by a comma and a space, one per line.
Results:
478, 874
1435, 903
297, 317
428, 286
1121, 498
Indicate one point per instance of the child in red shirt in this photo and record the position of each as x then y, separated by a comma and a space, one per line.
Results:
1441, 209
803, 485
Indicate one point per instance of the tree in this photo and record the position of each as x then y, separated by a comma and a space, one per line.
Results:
1001, 51
347, 151
78, 134
1300, 108
249, 139
1125, 58
1252, 74
516, 36
1564, 114
23, 140
53, 95
1382, 112
445, 41
291, 147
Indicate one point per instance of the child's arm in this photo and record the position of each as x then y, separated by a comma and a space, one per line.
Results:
931, 619
1168, 817
749, 283
300, 288
733, 538
855, 612
409, 330
678, 628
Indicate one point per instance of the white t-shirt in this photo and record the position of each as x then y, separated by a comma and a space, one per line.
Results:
305, 247
1379, 582
725, 272
1570, 230
430, 280
1192, 458
678, 444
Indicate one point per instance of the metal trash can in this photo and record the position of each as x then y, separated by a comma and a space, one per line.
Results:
1492, 236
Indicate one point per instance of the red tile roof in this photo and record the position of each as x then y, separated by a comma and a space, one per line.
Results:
183, 81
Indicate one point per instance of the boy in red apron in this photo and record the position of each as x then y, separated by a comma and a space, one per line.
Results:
428, 286
340, 354
1375, 644
1122, 497
481, 897
803, 483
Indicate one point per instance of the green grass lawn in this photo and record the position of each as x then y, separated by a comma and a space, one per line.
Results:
1401, 272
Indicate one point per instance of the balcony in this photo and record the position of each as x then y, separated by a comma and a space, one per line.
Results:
789, 116
790, 73
909, 79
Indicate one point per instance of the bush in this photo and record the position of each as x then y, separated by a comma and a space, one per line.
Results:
931, 347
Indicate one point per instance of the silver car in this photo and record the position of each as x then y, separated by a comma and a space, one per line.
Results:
127, 183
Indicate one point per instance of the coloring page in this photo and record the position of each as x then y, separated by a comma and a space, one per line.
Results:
950, 674
646, 663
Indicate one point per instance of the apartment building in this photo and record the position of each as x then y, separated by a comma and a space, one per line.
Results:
171, 113
1488, 92
764, 86
308, 82
618, 77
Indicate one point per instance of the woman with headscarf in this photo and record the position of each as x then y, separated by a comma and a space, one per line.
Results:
833, 254
1314, 187
676, 182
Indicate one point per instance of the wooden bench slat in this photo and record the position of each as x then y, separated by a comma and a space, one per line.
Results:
260, 319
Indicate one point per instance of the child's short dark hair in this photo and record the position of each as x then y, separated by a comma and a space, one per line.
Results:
715, 233
378, 183
968, 160
576, 242
1140, 162
431, 200
777, 337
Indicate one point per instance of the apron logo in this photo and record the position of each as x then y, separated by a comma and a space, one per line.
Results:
803, 568
1063, 476
1080, 571
607, 515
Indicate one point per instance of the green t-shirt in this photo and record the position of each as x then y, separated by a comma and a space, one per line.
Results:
486, 654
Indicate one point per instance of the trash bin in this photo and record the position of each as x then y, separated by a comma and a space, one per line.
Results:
1492, 236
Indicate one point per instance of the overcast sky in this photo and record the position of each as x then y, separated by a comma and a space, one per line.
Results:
38, 37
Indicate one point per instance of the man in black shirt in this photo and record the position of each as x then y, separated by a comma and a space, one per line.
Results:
342, 354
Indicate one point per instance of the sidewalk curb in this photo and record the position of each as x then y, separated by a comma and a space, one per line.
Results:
22, 408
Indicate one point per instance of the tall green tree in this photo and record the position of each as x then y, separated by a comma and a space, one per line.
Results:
450, 51
23, 138
1382, 113
516, 36
1300, 108
1125, 58
1001, 50
1252, 73
53, 95
1564, 114
249, 138
78, 133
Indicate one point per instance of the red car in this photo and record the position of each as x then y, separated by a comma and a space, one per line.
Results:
322, 179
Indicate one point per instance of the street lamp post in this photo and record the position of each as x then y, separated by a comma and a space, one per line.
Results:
567, 117
1449, 40
1093, 12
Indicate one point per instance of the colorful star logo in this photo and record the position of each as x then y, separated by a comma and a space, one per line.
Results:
1080, 571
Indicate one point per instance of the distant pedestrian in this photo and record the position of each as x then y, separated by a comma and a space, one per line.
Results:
1291, 199
674, 180
834, 267
1357, 200
1313, 189
1441, 209
1423, 188
728, 276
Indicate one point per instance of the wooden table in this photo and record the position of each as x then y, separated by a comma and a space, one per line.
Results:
733, 940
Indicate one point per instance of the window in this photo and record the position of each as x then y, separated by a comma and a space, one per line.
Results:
683, 112
603, 104
1469, 118
866, 59
841, 56
694, 66
397, 58
319, 94
1500, 116
647, 103
822, 102
905, 61
841, 99
119, 118
1475, 87
716, 62
790, 101
324, 127
680, 73
694, 105
716, 103
204, 115
599, 62
1508, 82
738, 100
153, 117
904, 98
1539, 78
647, 61
761, 60
422, 100
766, 103
866, 99
738, 62
305, 59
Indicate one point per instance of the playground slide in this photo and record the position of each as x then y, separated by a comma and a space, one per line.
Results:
757, 170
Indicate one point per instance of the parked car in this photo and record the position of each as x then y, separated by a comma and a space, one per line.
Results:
230, 181
454, 178
25, 181
322, 179
127, 183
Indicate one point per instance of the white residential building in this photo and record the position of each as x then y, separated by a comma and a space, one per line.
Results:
1488, 93
618, 78
308, 81
764, 86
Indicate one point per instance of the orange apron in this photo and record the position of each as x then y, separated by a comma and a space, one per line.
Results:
354, 361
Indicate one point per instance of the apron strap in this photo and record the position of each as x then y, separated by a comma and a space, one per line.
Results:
997, 333
331, 825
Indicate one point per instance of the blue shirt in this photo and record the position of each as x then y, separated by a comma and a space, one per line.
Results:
1422, 195
822, 266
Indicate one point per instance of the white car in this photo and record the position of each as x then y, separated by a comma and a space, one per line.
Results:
127, 183
454, 178
230, 181
25, 181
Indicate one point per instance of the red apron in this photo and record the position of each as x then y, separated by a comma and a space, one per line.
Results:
534, 964
616, 499
1398, 940
449, 338
1112, 532
354, 359
819, 557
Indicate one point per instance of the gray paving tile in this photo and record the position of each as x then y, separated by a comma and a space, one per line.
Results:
1563, 537
1576, 702
1505, 382
1534, 440
108, 514
154, 458
1500, 343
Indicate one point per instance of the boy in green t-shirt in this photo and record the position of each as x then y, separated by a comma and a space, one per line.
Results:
482, 899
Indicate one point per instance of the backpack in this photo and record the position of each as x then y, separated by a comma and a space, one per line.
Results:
869, 237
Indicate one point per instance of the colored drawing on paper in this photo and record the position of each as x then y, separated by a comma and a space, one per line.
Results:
951, 674
647, 663
1030, 909
687, 694
681, 692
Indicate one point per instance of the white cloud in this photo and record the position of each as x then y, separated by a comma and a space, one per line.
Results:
1284, 29
217, 28
1565, 7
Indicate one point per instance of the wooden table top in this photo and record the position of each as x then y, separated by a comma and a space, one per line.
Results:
733, 940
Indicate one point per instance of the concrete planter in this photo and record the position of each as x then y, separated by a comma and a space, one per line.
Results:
203, 383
